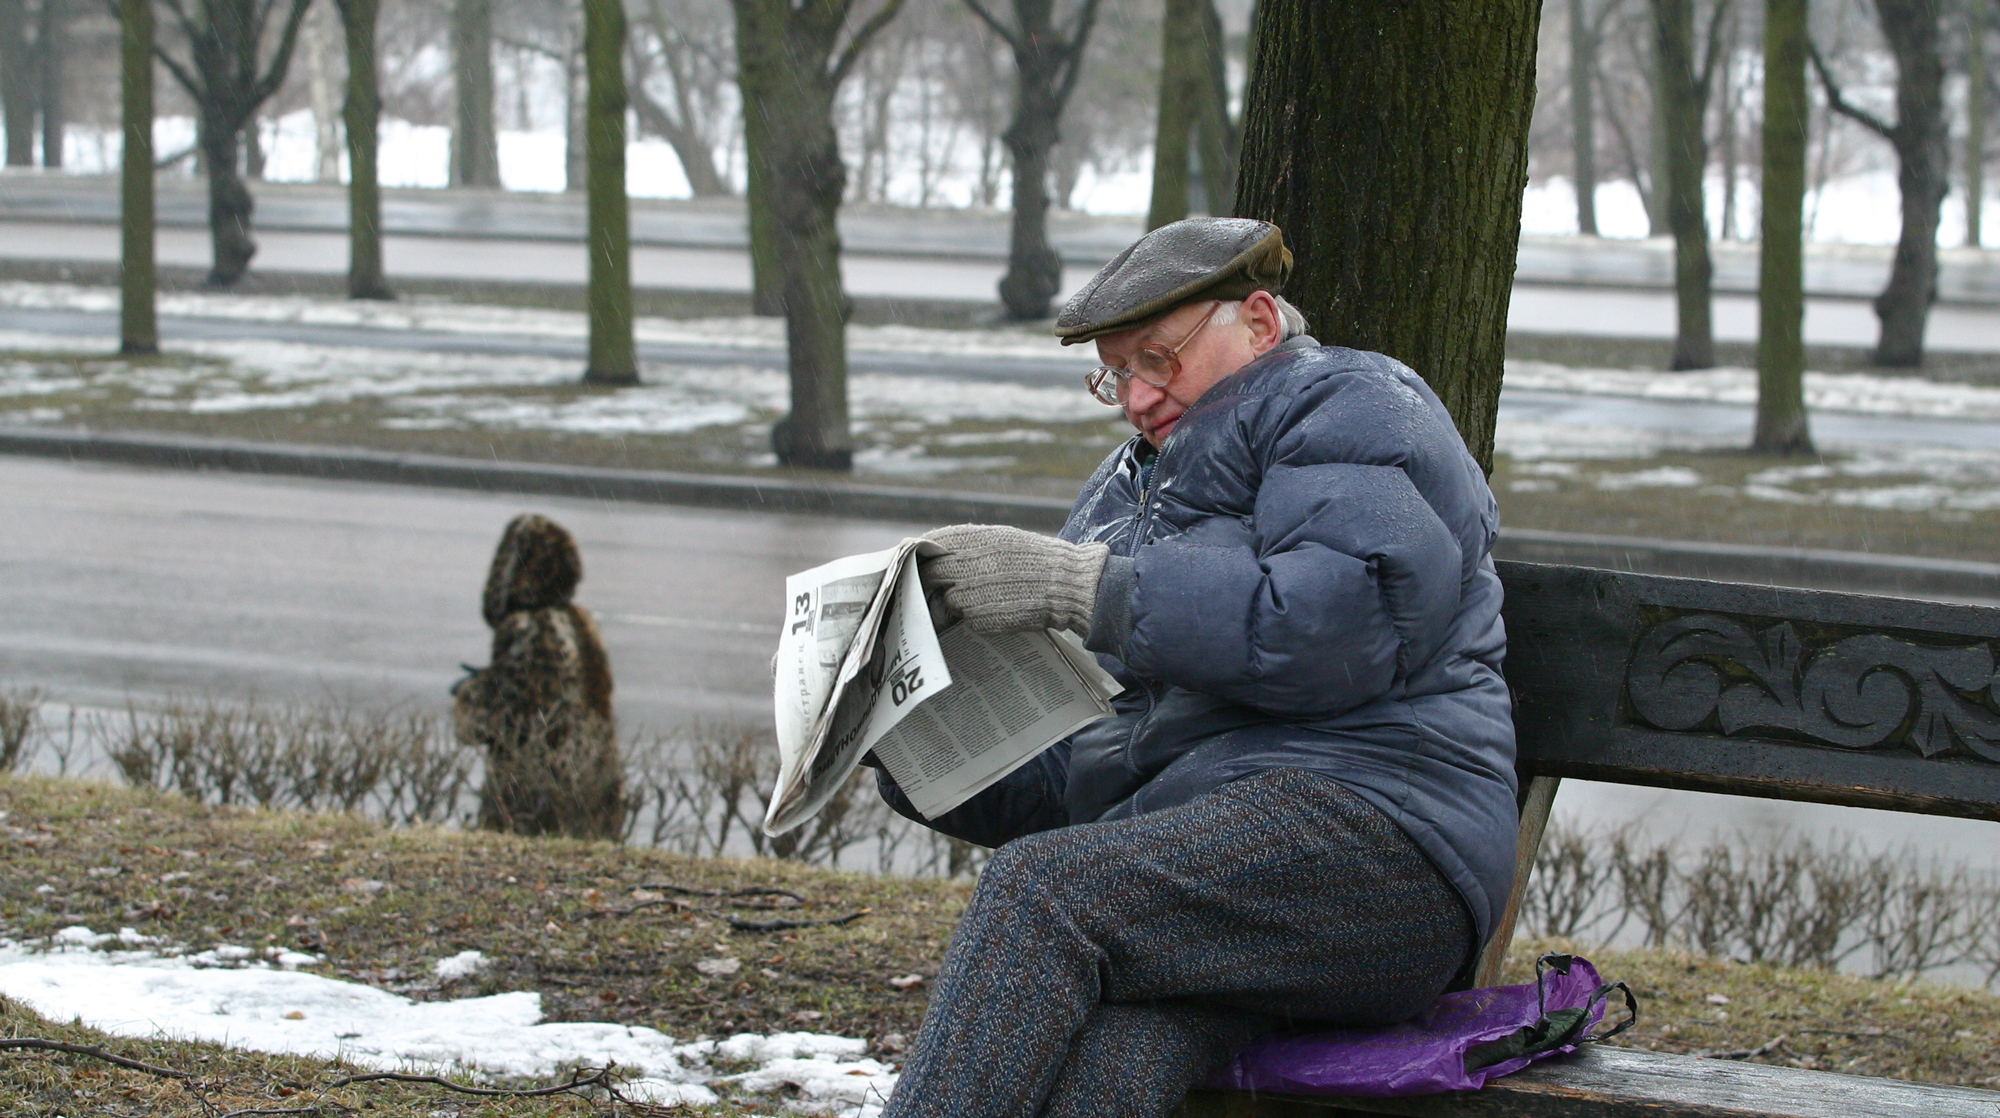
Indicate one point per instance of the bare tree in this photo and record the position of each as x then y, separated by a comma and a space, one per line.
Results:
1584, 32
475, 151
51, 43
19, 87
138, 278
687, 56
1976, 82
1684, 85
791, 61
362, 114
222, 74
613, 359
1047, 62
1193, 115
1914, 32
1781, 408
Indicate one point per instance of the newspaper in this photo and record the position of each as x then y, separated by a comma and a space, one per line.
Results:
865, 662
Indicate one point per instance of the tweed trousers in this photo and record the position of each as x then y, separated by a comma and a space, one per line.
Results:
1103, 969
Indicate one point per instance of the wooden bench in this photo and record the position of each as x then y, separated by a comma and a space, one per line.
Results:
1721, 687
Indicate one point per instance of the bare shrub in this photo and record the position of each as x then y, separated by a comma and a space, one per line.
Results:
19, 712
714, 802
405, 768
1789, 902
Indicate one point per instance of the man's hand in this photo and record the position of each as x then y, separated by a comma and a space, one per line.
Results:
1003, 579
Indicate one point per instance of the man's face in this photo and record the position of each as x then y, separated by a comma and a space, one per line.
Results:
1218, 350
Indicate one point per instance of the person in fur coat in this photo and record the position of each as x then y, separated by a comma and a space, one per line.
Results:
542, 708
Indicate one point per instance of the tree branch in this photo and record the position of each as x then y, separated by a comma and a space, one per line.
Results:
281, 60
859, 41
999, 28
37, 1044
1712, 53
1086, 18
1839, 104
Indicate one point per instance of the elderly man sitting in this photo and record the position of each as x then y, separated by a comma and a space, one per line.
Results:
1304, 808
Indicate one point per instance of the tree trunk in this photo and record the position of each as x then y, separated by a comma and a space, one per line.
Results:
1411, 256
757, 40
613, 359
229, 201
1219, 141
138, 278
1914, 29
1975, 121
1583, 115
1781, 407
362, 114
805, 180
475, 148
1682, 104
1045, 71
1183, 66
18, 87
576, 122
319, 88
49, 49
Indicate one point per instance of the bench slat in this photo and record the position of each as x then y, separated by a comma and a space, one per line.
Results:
1606, 1082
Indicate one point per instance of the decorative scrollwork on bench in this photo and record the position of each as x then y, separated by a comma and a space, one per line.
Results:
1865, 691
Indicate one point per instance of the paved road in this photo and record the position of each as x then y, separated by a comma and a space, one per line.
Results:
119, 582
1613, 311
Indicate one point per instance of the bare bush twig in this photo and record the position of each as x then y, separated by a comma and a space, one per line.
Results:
38, 1044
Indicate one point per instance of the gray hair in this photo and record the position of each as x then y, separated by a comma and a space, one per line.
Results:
1291, 319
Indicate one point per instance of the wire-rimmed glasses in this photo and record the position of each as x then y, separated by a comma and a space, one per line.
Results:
1154, 363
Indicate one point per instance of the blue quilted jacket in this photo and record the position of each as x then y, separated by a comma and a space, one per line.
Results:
1301, 579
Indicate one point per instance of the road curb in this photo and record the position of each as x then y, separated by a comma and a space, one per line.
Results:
1817, 568
873, 502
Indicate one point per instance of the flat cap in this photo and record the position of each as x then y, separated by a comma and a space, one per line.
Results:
1199, 258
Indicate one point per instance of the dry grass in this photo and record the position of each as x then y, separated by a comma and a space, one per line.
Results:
1827, 1022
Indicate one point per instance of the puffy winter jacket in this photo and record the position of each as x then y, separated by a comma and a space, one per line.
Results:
1305, 583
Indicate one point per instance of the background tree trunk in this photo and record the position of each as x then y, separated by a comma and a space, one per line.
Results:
18, 86
1781, 407
1046, 65
475, 148
223, 77
1183, 74
50, 43
362, 114
805, 180
230, 206
1682, 105
613, 358
1413, 256
1583, 114
138, 278
576, 121
1914, 32
757, 62
1975, 121
1219, 138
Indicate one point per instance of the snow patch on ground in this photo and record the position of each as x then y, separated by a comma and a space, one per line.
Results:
130, 985
1857, 393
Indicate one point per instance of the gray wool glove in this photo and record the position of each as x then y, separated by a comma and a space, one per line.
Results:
1003, 579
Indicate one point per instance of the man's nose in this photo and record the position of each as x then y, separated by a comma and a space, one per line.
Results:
1140, 398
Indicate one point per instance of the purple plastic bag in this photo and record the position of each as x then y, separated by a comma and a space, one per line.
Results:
1427, 1053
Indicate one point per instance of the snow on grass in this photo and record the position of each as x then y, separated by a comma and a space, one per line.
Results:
1858, 393
1919, 479
738, 332
128, 985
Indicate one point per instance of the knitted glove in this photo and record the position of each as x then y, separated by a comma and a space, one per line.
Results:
1003, 579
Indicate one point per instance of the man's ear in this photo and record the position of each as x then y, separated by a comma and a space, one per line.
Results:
1259, 314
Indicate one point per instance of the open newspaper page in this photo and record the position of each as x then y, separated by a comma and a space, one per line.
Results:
862, 666
857, 654
1012, 696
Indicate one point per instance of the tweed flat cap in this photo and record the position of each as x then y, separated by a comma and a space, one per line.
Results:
1199, 258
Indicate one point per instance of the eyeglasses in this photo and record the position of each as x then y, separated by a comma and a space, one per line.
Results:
1153, 363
